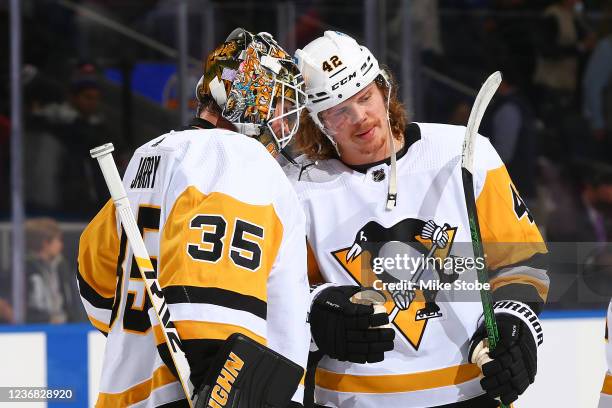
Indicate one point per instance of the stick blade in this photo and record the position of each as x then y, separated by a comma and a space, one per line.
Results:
488, 89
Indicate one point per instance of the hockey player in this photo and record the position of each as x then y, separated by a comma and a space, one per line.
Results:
222, 225
377, 191
605, 400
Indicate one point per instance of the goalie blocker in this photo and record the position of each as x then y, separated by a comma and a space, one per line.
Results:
245, 374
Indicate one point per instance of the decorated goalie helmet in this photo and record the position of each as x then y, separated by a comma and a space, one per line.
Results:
335, 68
257, 85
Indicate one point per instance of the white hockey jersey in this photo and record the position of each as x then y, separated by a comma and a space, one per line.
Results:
349, 229
605, 400
225, 230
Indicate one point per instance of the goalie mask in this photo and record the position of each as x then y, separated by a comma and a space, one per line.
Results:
257, 85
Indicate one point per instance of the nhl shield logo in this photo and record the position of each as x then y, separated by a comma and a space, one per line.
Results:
378, 175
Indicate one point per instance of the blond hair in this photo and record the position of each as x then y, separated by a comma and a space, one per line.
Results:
312, 142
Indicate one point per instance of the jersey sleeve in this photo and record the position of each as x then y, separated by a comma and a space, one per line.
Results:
516, 253
288, 293
97, 267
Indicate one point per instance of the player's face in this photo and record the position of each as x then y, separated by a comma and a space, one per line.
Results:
53, 247
359, 126
282, 126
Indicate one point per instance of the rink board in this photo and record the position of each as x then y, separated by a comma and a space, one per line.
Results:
570, 370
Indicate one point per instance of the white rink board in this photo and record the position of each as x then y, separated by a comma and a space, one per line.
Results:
23, 363
571, 365
570, 371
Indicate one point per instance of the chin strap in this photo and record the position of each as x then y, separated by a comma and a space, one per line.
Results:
392, 189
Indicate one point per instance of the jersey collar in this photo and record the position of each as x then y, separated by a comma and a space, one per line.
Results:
198, 123
411, 135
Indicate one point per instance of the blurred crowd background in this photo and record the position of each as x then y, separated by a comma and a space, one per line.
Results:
97, 71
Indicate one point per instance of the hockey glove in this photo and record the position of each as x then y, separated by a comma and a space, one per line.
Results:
245, 374
347, 331
512, 366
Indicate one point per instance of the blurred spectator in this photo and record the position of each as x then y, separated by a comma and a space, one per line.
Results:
459, 113
597, 91
587, 215
510, 124
60, 175
51, 286
562, 38
578, 230
514, 21
320, 15
6, 312
5, 132
43, 150
425, 29
83, 127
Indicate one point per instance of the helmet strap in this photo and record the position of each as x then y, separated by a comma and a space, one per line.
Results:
333, 142
217, 90
392, 187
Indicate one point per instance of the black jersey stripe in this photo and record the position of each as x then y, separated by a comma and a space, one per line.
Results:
482, 401
216, 296
175, 404
92, 296
537, 261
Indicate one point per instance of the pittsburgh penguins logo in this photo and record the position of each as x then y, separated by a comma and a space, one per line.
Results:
409, 239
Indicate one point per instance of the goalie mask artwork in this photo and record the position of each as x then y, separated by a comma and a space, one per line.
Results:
257, 85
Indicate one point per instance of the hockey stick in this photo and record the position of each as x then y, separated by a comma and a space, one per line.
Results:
111, 175
467, 172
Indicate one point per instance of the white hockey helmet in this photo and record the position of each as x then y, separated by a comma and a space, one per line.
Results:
335, 67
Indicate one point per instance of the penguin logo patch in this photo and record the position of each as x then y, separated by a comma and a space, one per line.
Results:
409, 310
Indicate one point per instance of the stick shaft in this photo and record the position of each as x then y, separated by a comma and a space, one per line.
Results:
467, 173
115, 186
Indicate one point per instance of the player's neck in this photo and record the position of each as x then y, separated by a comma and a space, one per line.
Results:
217, 120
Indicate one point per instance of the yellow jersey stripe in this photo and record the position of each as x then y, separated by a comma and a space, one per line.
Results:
159, 335
396, 383
103, 327
140, 392
607, 385
314, 273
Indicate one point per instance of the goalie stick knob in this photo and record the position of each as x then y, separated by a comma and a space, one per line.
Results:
101, 150
374, 298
